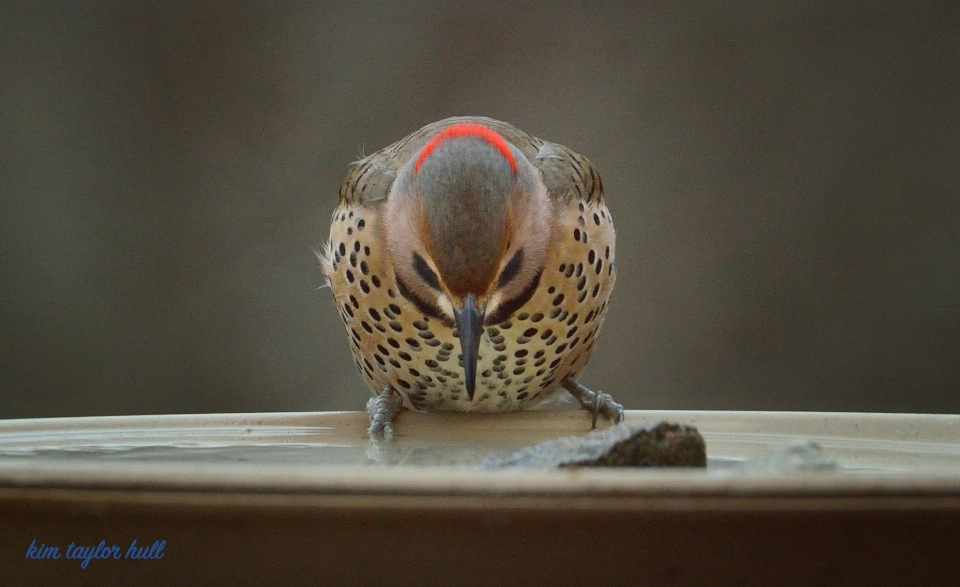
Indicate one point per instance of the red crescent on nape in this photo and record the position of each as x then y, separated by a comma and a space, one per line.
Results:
467, 129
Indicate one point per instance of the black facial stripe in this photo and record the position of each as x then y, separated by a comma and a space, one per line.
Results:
506, 309
425, 272
423, 305
511, 269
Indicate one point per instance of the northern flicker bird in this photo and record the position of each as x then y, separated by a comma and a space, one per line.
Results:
471, 264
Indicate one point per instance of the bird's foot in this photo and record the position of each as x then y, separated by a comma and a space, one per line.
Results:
382, 410
595, 401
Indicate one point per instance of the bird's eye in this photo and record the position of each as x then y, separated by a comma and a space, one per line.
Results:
425, 272
510, 271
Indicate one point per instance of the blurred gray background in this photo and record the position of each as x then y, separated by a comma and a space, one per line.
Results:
785, 184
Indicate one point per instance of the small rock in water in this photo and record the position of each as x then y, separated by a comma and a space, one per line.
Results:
801, 456
626, 445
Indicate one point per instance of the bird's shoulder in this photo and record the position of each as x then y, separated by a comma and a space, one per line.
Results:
569, 176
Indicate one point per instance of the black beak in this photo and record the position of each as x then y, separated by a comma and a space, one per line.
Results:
470, 327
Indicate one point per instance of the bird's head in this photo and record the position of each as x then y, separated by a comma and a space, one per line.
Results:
467, 225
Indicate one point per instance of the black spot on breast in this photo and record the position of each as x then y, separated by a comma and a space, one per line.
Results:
347, 310
573, 318
596, 290
523, 316
606, 253
349, 275
356, 246
556, 362
530, 332
403, 384
364, 286
393, 342
394, 362
576, 234
383, 350
581, 207
395, 309
366, 250
581, 283
591, 256
563, 267
379, 359
353, 300
364, 268
405, 356
343, 249
555, 312
374, 314
521, 353
536, 317
420, 325
519, 371
396, 326
501, 346
561, 348
558, 299
582, 296
349, 230
579, 269
375, 281
353, 259
546, 334
569, 270
412, 342
539, 354
599, 266
366, 327
361, 223
596, 219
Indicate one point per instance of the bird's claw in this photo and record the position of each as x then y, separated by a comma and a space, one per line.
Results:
595, 401
382, 410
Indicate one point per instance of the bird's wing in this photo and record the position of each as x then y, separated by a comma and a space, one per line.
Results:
569, 176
